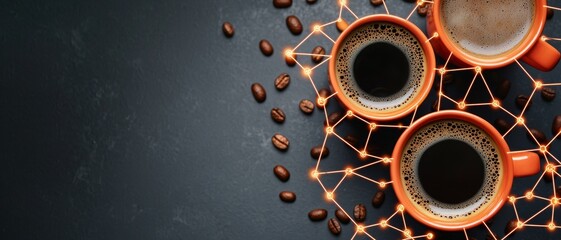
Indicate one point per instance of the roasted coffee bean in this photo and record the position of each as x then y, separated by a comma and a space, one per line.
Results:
342, 216
550, 13
317, 214
319, 50
287, 196
282, 81
360, 212
556, 126
539, 135
316, 151
501, 91
278, 115
548, 94
282, 173
290, 61
334, 226
294, 25
502, 125
306, 106
333, 118
342, 25
376, 2
258, 92
282, 3
311, 1
351, 139
378, 199
266, 47
423, 9
228, 29
511, 225
521, 101
280, 142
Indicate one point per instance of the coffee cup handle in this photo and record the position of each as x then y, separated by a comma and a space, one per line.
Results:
525, 163
542, 56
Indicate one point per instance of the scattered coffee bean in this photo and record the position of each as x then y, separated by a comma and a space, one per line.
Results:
423, 9
228, 29
333, 118
266, 47
294, 25
278, 115
556, 126
548, 94
360, 212
281, 172
342, 25
550, 13
317, 214
324, 93
287, 196
311, 1
539, 135
501, 91
319, 50
522, 100
258, 92
378, 199
351, 139
290, 61
280, 142
306, 106
334, 226
316, 151
502, 125
511, 225
376, 2
282, 81
282, 3
342, 216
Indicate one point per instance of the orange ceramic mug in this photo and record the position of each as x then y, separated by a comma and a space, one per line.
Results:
381, 67
491, 34
453, 170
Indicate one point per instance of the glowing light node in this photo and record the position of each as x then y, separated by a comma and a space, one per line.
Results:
343, 2
349, 171
350, 113
430, 235
329, 195
520, 121
317, 28
543, 148
435, 34
360, 229
461, 105
512, 199
382, 184
538, 84
373, 126
288, 53
363, 154
496, 103
519, 224
383, 223
400, 207
551, 226
554, 201
321, 101
329, 130
386, 160
478, 69
315, 174
549, 168
529, 195
442, 71
307, 71
407, 233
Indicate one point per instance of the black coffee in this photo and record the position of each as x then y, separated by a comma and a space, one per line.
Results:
451, 171
381, 69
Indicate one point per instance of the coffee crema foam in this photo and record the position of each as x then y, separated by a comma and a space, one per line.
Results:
376, 32
456, 130
487, 28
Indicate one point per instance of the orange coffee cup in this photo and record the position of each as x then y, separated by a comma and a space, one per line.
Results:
381, 67
439, 148
491, 36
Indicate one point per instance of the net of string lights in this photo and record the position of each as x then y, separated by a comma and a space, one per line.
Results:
397, 221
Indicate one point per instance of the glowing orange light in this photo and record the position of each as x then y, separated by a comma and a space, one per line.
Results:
360, 228
551, 226
529, 195
382, 184
383, 223
442, 70
329, 130
478, 69
349, 171
549, 167
307, 71
372, 126
543, 148
317, 28
329, 196
288, 53
461, 105
321, 101
343, 2
350, 113
430, 235
407, 233
496, 103
512, 199
520, 121
314, 174
554, 201
400, 207
519, 224
386, 160
538, 84
440, 93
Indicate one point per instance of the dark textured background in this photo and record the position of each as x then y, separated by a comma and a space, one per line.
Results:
134, 120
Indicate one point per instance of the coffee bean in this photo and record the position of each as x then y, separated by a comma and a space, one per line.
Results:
376, 2
556, 126
351, 139
266, 47
287, 196
306, 106
511, 225
316, 151
311, 1
281, 172
280, 142
423, 9
378, 199
502, 125
317, 214
319, 50
278, 115
282, 81
258, 92
290, 61
342, 216
324, 93
501, 91
333, 118
342, 25
334, 226
360, 212
294, 25
521, 101
539, 135
228, 29
550, 13
282, 3
548, 94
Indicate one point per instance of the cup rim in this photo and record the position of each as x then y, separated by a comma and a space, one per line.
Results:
428, 81
523, 47
473, 220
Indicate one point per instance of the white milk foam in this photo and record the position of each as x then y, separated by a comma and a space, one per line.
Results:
362, 37
454, 130
487, 28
